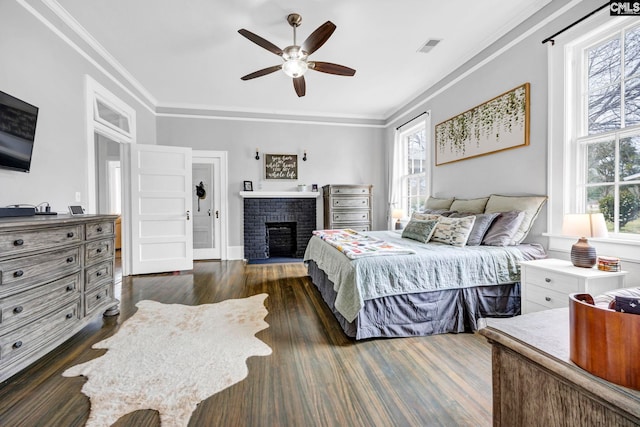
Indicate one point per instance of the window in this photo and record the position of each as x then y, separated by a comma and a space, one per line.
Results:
607, 134
413, 169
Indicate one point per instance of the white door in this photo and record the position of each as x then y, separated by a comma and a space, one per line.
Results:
161, 231
206, 207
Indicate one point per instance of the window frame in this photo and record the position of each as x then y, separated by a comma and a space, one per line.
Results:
404, 175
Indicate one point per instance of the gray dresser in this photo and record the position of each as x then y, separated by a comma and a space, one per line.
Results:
56, 275
347, 206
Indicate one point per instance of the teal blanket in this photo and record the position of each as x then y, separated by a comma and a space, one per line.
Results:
434, 266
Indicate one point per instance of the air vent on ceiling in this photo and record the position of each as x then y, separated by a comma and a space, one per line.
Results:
430, 44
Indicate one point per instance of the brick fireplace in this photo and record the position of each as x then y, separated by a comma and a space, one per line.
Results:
277, 226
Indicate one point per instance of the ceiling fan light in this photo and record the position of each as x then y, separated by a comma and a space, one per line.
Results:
295, 67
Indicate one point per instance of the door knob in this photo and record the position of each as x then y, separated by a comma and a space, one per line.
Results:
217, 214
209, 212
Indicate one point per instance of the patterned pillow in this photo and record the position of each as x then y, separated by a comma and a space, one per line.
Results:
453, 231
419, 230
627, 305
425, 216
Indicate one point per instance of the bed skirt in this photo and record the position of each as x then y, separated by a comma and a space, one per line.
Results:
426, 313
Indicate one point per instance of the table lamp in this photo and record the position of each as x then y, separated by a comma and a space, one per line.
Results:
397, 214
583, 226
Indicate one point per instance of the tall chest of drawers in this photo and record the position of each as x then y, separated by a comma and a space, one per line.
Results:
56, 276
347, 206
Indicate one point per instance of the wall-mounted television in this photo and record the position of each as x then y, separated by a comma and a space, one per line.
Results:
17, 132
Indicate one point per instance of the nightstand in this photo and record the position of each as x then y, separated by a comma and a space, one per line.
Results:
547, 283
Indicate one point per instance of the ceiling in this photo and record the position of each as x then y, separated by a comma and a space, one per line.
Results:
188, 54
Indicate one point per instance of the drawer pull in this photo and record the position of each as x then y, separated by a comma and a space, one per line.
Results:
70, 259
17, 344
99, 229
18, 309
337, 202
99, 273
18, 273
99, 250
98, 296
69, 315
546, 279
69, 288
547, 299
70, 234
18, 242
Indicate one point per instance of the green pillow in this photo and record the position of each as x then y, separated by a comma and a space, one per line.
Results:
420, 230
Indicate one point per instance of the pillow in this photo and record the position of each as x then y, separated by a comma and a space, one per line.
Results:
530, 205
480, 227
420, 230
627, 305
469, 205
504, 227
435, 203
453, 231
443, 212
425, 216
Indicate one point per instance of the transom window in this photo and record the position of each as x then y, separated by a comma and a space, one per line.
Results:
608, 133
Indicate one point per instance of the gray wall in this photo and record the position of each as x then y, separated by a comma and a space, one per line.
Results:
39, 68
336, 155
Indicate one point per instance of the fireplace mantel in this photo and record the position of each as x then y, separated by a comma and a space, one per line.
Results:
279, 194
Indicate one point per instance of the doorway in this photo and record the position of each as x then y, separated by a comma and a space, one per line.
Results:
209, 199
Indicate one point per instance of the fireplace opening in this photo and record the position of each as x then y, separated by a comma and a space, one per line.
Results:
281, 239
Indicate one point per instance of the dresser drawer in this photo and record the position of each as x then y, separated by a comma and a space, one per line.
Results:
350, 216
100, 229
97, 274
545, 297
30, 338
552, 280
27, 306
31, 271
99, 297
97, 251
350, 202
356, 227
350, 190
17, 242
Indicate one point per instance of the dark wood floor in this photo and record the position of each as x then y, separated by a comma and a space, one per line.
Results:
316, 376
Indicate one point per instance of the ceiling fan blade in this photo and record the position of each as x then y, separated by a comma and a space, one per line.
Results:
261, 42
329, 68
300, 86
318, 37
262, 72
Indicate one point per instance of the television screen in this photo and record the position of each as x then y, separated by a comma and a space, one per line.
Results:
17, 132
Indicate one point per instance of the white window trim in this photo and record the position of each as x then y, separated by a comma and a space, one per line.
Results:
562, 122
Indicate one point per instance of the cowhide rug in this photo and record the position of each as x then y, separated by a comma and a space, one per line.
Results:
170, 357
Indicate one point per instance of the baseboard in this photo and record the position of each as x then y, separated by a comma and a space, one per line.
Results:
235, 252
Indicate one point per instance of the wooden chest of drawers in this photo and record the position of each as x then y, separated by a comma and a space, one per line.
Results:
56, 275
347, 206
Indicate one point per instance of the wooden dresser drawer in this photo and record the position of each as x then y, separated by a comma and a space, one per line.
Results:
552, 280
97, 274
350, 216
97, 251
17, 242
23, 341
350, 190
98, 297
24, 307
350, 202
100, 229
31, 271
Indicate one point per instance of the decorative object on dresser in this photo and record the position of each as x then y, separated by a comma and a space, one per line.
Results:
185, 355
56, 276
347, 206
583, 226
604, 342
547, 283
536, 384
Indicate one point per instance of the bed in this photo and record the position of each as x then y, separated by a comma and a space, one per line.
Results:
437, 288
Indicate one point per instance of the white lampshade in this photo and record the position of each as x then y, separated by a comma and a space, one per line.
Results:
397, 213
584, 225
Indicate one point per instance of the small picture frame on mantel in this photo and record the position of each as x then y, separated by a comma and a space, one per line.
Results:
247, 186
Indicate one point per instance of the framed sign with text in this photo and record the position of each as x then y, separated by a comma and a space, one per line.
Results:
281, 166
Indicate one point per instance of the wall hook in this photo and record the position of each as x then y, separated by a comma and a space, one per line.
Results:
257, 155
304, 157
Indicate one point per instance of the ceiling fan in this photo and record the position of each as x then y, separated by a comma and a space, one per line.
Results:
296, 57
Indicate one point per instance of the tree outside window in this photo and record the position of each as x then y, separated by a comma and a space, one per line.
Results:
610, 138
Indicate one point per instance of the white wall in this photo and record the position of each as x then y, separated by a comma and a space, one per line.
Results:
40, 68
336, 155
